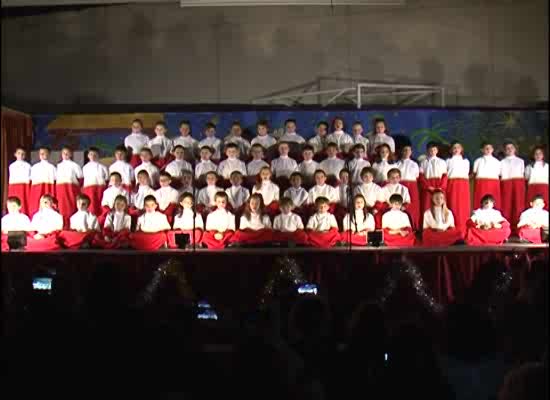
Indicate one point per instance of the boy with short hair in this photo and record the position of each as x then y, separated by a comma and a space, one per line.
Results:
151, 228
487, 225
83, 226
231, 163
124, 169
283, 165
342, 140
396, 224
487, 170
220, 224
19, 179
357, 135
186, 182
290, 135
190, 144
211, 141
96, 177
146, 156
235, 137
237, 195
205, 165
332, 165
433, 175
257, 163
533, 220
322, 189
14, 220
296, 192
160, 145
176, 167
46, 224
167, 197
114, 190
135, 141
69, 177
263, 138
144, 189
512, 185
288, 226
322, 227
308, 166
43, 176
206, 199
319, 140
357, 163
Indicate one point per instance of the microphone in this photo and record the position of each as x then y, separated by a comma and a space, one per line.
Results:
350, 203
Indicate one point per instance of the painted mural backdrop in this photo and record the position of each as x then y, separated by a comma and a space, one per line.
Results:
471, 127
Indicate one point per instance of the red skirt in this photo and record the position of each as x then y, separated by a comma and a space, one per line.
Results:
458, 201
479, 237
171, 235
249, 236
116, 240
36, 192
66, 200
512, 194
212, 243
356, 240
537, 188
426, 196
21, 191
484, 186
530, 234
95, 193
381, 208
432, 238
324, 240
414, 207
49, 243
398, 240
147, 241
169, 212
299, 237
272, 209
135, 160
74, 240
5, 246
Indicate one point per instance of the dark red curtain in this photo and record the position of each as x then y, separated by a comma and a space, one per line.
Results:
16, 131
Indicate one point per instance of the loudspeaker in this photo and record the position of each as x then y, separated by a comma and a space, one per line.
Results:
17, 239
375, 238
182, 240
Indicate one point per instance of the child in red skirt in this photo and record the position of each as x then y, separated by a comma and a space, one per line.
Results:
43, 175
160, 145
512, 185
487, 225
67, 184
322, 189
206, 198
117, 226
151, 228
254, 225
123, 168
146, 155
288, 226
19, 178
186, 221
396, 224
409, 178
220, 224
486, 171
433, 175
536, 174
167, 197
83, 226
356, 227
372, 193
114, 190
135, 141
237, 194
439, 224
533, 221
230, 164
322, 228
96, 177
395, 187
269, 191
458, 186
297, 193
177, 166
46, 224
14, 220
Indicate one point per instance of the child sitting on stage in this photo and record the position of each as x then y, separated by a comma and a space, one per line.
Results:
183, 222
268, 190
394, 187
46, 225
151, 227
356, 228
332, 165
43, 175
533, 221
322, 227
237, 194
19, 178
160, 145
257, 163
308, 166
83, 228
117, 226
231, 163
220, 224
125, 170
433, 175
67, 185
135, 141
288, 226
114, 190
167, 197
487, 225
146, 156
206, 199
396, 224
439, 225
13, 221
205, 165
254, 225
296, 192
322, 189
372, 194
176, 167
96, 176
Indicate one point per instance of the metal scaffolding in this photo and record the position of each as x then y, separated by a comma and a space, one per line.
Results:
355, 91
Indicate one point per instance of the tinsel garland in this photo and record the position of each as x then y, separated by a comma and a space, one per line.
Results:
170, 268
285, 269
500, 290
413, 273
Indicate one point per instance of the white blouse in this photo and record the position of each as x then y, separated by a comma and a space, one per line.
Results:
15, 222
308, 168
185, 220
152, 170
214, 143
176, 167
395, 219
19, 172
46, 221
152, 222
360, 139
438, 222
68, 172
136, 141
237, 196
487, 167
118, 221
229, 165
371, 192
381, 168
318, 143
269, 191
533, 216
166, 196
292, 138
43, 172
356, 165
342, 140
332, 166
84, 221
188, 142
110, 194
389, 189
125, 170
266, 141
322, 222
512, 167
256, 223
207, 195
298, 195
95, 174
360, 224
409, 170
287, 222
283, 166
433, 167
487, 216
139, 196
376, 139
458, 168
220, 220
204, 167
537, 173
160, 146
325, 190
253, 167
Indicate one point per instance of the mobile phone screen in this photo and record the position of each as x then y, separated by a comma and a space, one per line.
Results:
42, 283
310, 288
207, 314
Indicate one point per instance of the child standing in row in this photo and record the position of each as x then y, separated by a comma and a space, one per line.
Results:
409, 178
220, 224
512, 185
487, 225
486, 171
288, 226
536, 174
322, 227
96, 177
433, 175
43, 176
458, 186
135, 141
124, 169
69, 177
19, 179
160, 145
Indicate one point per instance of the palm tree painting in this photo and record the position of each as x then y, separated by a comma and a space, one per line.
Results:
423, 136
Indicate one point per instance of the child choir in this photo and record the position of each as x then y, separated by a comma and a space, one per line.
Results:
343, 187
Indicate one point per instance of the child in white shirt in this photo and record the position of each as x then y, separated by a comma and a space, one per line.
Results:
220, 224
135, 141
235, 137
263, 138
283, 165
355, 228
342, 139
211, 141
117, 226
160, 145
143, 190
322, 227
533, 220
296, 192
69, 177
357, 163
206, 199
332, 165
254, 225
124, 169
288, 226
19, 178
237, 194
151, 228
487, 225
290, 135
439, 225
167, 197
190, 144
146, 165
512, 185
357, 136
176, 167
83, 226
380, 136
396, 225
394, 187
96, 177
536, 175
371, 192
308, 166
110, 194
269, 190
231, 163
205, 165
322, 189
186, 184
43, 176
14, 220
257, 162
318, 141
486, 171
383, 164
185, 221
47, 224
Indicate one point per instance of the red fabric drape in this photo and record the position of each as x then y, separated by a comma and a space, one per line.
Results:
16, 131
